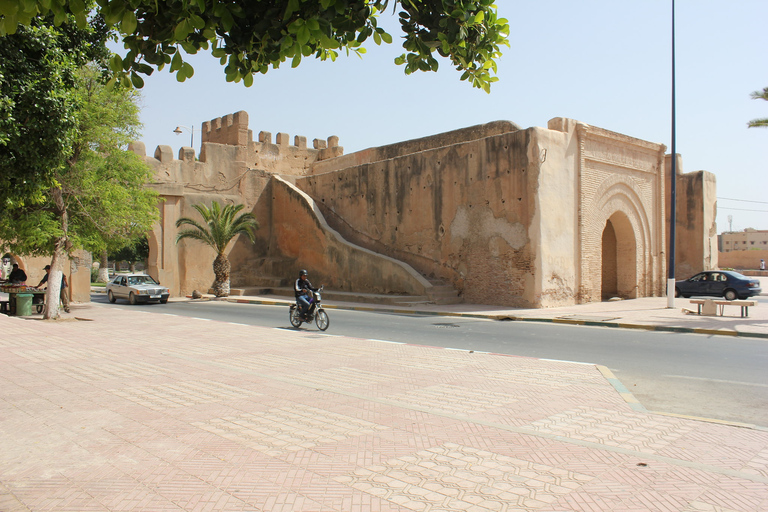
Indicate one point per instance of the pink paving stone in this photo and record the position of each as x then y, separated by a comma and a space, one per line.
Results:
354, 409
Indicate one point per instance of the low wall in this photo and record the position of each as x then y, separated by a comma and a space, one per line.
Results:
300, 232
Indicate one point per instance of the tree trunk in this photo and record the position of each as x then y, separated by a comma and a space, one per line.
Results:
221, 268
51, 309
103, 268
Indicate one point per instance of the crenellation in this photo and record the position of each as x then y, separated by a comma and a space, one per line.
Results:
187, 154
164, 154
265, 137
319, 144
333, 141
231, 129
138, 148
283, 139
300, 142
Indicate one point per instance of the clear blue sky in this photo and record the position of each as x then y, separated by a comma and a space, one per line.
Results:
603, 62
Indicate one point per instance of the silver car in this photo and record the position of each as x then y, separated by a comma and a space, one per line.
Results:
137, 288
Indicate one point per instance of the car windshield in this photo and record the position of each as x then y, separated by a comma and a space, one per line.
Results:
135, 280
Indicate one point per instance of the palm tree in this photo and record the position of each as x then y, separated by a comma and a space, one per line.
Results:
755, 123
221, 226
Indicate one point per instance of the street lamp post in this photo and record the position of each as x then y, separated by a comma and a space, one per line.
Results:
179, 129
673, 185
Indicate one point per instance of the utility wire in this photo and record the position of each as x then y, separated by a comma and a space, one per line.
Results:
742, 209
742, 200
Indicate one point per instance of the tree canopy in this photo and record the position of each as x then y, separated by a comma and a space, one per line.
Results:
97, 197
38, 75
254, 36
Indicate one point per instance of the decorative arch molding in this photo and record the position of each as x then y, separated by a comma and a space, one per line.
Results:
616, 195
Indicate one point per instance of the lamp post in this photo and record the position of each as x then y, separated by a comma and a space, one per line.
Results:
673, 185
179, 129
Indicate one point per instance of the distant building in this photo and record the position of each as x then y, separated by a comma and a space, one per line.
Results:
749, 239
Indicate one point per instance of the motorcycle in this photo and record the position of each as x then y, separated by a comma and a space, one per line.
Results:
315, 313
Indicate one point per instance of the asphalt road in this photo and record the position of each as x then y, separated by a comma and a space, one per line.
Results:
717, 377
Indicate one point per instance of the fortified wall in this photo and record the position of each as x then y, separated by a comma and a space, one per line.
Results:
534, 217
233, 168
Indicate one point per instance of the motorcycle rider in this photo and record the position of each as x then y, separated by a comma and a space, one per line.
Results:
301, 290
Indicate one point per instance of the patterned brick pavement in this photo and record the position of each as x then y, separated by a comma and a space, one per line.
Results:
154, 412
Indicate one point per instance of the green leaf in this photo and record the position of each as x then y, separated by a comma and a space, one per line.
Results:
116, 63
81, 20
8, 7
296, 60
303, 35
137, 81
197, 22
182, 30
76, 6
129, 22
189, 71
248, 80
227, 21
293, 6
312, 24
176, 61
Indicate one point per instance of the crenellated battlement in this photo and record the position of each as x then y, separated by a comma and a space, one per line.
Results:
228, 146
231, 129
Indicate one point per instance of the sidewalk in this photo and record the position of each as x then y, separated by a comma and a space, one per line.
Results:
146, 411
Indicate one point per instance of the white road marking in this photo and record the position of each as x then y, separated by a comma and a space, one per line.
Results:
718, 380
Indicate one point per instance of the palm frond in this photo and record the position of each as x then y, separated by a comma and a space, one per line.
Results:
220, 226
757, 95
759, 123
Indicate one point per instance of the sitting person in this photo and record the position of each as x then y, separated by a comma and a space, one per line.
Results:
17, 275
301, 290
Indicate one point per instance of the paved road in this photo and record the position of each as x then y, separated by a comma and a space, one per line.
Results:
691, 374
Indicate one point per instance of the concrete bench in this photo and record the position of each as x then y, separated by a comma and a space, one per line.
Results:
712, 306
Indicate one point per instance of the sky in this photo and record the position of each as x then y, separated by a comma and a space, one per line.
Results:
606, 63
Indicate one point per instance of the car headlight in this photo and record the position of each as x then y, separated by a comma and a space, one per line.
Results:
141, 292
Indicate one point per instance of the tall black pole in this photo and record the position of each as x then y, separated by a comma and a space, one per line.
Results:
673, 184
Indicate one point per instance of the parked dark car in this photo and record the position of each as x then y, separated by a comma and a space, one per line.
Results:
718, 283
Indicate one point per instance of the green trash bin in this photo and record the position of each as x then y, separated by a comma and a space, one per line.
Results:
24, 304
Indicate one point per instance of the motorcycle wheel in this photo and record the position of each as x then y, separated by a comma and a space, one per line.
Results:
321, 319
295, 317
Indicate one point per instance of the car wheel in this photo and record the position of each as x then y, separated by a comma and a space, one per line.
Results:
295, 317
730, 295
111, 297
132, 299
163, 301
677, 292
